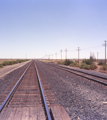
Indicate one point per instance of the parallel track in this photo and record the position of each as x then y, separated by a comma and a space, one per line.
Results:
96, 78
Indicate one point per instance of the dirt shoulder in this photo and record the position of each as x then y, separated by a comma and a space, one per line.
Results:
7, 69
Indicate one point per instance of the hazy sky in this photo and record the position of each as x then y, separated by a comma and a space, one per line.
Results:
35, 28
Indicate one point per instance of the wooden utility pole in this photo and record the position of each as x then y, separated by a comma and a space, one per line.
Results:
26, 56
97, 57
52, 56
56, 55
105, 50
66, 53
78, 54
61, 54
49, 57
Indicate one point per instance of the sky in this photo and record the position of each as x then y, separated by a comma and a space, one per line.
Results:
39, 28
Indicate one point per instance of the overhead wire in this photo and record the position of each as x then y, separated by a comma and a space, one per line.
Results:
86, 47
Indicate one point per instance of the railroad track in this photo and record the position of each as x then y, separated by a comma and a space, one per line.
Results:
30, 98
96, 78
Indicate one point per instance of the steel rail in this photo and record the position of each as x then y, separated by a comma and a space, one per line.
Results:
43, 96
83, 72
13, 89
62, 68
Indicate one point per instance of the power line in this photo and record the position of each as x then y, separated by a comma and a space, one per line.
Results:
79, 51
92, 46
87, 47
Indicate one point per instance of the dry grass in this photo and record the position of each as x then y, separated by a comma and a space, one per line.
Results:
2, 60
51, 60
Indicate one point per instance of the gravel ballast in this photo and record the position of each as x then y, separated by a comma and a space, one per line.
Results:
88, 71
7, 81
83, 99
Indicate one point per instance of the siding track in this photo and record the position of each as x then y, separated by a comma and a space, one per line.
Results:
96, 78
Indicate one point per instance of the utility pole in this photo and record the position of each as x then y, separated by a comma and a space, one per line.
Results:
48, 56
105, 50
91, 55
61, 54
26, 56
97, 57
56, 55
52, 57
66, 53
78, 54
